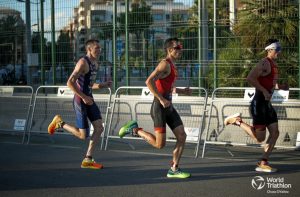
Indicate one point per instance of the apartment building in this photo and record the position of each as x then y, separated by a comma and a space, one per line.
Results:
93, 18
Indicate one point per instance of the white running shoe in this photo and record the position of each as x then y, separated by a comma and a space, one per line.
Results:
232, 119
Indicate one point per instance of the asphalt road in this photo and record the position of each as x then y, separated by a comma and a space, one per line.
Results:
51, 167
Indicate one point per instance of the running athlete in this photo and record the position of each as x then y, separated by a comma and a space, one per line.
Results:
81, 82
161, 84
264, 78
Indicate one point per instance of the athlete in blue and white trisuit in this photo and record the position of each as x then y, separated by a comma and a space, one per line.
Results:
81, 82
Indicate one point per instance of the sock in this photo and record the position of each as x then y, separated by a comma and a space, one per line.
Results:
62, 123
265, 161
174, 166
89, 157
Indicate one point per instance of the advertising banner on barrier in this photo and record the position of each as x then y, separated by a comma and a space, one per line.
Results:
278, 95
65, 92
19, 124
191, 134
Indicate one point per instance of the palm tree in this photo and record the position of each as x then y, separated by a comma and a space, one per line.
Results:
264, 19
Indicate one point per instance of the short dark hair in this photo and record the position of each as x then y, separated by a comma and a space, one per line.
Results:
271, 40
91, 42
169, 42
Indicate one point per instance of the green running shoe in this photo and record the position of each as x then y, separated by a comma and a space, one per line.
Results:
178, 174
128, 128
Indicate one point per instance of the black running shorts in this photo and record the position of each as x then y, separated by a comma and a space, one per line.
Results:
162, 116
262, 111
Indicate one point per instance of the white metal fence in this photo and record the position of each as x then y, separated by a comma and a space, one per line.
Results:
134, 103
15, 104
227, 101
52, 100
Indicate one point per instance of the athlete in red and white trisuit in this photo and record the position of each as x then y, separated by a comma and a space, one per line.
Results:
264, 78
161, 84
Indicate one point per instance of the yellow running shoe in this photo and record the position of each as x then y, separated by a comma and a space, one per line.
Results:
55, 124
264, 168
90, 163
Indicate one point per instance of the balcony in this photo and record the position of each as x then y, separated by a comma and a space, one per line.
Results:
82, 29
81, 19
81, 10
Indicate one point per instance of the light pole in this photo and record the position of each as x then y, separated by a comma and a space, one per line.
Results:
28, 35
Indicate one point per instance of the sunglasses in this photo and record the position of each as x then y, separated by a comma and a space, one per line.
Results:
178, 47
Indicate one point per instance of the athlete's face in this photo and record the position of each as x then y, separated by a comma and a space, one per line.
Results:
95, 50
176, 50
273, 53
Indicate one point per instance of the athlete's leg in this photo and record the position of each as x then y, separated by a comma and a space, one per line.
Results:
157, 141
57, 123
179, 147
271, 141
258, 132
98, 129
79, 133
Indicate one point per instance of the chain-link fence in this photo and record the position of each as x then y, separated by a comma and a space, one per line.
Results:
222, 39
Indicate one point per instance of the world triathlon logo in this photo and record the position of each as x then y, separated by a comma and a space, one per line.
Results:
258, 182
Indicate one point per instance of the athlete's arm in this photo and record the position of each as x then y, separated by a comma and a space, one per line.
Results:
81, 68
263, 68
106, 84
161, 71
186, 91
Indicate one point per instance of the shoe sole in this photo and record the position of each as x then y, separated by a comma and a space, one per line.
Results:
51, 127
259, 169
232, 116
91, 167
174, 176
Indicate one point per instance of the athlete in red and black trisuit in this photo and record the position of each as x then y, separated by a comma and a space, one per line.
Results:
264, 78
161, 84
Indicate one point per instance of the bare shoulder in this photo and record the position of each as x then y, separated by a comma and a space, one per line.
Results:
264, 66
81, 66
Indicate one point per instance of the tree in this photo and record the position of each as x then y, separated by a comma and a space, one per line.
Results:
139, 19
64, 49
267, 18
264, 19
11, 34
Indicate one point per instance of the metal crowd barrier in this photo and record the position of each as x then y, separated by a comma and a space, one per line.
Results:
134, 103
52, 100
15, 105
227, 101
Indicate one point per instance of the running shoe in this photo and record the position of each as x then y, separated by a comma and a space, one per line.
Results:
91, 163
128, 128
55, 124
264, 168
232, 119
178, 174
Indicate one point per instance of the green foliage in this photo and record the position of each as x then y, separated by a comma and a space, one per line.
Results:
12, 32
139, 19
232, 66
64, 50
264, 19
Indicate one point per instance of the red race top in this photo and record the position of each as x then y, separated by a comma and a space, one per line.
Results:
269, 81
164, 86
